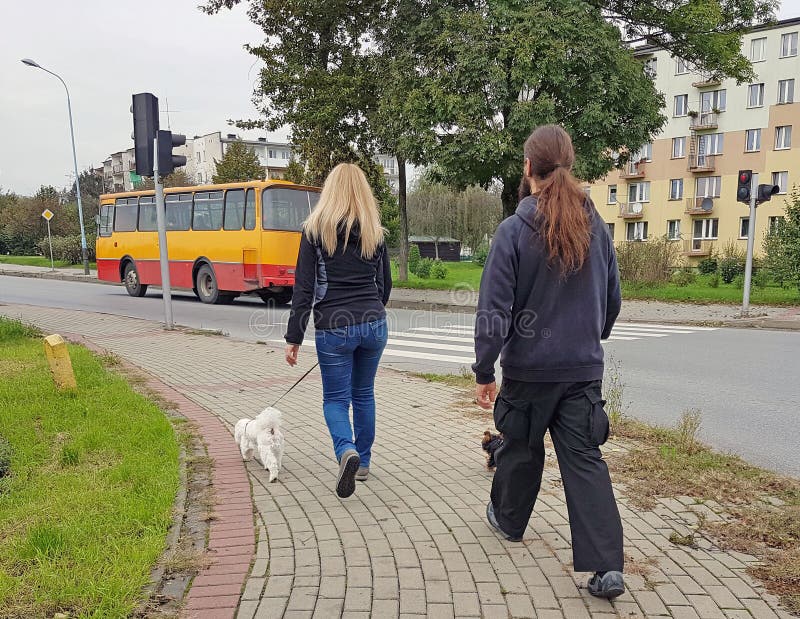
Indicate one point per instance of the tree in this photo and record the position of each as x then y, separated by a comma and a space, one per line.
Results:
239, 163
782, 246
178, 178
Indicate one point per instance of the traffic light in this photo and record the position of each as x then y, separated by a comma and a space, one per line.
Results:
743, 190
765, 192
167, 162
145, 125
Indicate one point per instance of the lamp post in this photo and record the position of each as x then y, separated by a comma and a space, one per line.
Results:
84, 252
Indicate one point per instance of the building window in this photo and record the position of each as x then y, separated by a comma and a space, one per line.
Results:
758, 49
639, 192
708, 187
680, 67
646, 152
781, 179
755, 95
710, 144
611, 231
674, 229
681, 105
752, 140
773, 224
783, 137
612, 194
636, 231
676, 189
714, 100
198, 156
744, 227
678, 147
651, 67
199, 177
706, 229
786, 91
788, 44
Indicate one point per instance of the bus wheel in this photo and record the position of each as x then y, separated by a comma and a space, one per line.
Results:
207, 289
133, 285
276, 298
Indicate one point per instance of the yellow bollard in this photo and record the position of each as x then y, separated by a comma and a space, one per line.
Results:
60, 364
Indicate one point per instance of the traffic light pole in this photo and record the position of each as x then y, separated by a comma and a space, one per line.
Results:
751, 241
161, 216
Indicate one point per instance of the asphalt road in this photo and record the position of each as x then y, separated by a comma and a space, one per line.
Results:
743, 381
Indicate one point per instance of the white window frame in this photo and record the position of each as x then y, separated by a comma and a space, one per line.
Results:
788, 45
682, 150
742, 222
783, 137
639, 231
772, 223
642, 190
674, 229
681, 68
760, 90
712, 187
747, 134
708, 228
676, 182
711, 144
684, 108
781, 179
608, 197
763, 45
785, 91
715, 99
651, 67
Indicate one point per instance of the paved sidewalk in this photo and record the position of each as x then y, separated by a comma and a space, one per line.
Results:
412, 541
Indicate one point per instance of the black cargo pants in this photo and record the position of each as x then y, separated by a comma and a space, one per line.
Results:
578, 424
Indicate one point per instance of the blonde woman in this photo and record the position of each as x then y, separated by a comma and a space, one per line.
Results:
343, 276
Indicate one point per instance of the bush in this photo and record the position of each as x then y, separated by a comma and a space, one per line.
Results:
5, 457
761, 278
738, 281
424, 268
731, 262
67, 248
683, 278
713, 281
647, 263
480, 255
438, 270
414, 258
707, 266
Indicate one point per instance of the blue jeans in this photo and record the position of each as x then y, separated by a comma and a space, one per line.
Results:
348, 360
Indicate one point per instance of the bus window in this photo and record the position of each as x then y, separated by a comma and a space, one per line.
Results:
147, 214
207, 210
126, 213
234, 209
179, 211
250, 210
106, 224
284, 209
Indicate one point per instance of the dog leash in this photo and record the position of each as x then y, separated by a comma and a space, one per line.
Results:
311, 369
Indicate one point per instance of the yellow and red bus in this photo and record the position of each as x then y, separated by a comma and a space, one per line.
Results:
223, 240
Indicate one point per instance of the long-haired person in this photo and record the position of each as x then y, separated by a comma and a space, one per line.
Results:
549, 294
343, 276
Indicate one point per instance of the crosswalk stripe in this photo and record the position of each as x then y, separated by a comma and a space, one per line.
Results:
436, 345
650, 325
427, 336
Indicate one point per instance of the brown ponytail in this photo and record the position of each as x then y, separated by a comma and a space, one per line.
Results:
561, 214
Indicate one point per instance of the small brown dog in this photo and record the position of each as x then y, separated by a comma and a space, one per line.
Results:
491, 443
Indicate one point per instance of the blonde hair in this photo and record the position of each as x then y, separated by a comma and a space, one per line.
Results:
347, 200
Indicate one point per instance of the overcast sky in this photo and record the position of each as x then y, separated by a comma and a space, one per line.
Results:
106, 51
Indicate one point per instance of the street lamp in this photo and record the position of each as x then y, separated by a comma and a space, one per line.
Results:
84, 253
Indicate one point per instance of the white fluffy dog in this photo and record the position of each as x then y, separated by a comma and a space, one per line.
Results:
262, 435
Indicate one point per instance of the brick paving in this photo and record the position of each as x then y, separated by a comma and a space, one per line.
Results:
413, 540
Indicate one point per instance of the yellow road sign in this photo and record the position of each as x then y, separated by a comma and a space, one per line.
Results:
47, 214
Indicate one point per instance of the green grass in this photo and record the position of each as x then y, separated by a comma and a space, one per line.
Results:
85, 511
459, 275
701, 292
41, 261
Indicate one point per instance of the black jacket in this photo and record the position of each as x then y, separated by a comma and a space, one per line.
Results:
548, 327
343, 289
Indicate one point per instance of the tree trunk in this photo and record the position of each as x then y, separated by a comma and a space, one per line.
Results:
509, 197
401, 203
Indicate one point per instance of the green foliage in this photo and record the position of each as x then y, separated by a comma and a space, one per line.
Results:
295, 172
67, 248
782, 246
424, 268
178, 178
647, 263
738, 281
481, 254
5, 457
731, 262
414, 257
713, 281
239, 163
439, 270
761, 278
707, 266
683, 277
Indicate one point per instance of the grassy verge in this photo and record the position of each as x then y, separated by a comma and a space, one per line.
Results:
701, 292
86, 507
459, 275
41, 261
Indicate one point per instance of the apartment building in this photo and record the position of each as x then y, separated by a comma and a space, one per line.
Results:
684, 183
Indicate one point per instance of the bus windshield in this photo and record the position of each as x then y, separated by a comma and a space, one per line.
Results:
286, 209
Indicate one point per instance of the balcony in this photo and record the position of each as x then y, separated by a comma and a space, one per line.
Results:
117, 169
701, 163
704, 120
696, 206
633, 170
707, 82
697, 248
631, 210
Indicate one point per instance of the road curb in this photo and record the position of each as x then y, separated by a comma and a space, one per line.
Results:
77, 277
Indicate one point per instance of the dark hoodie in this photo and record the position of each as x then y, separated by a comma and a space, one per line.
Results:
548, 327
343, 289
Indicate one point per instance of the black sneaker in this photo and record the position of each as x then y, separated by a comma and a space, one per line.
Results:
608, 585
493, 521
348, 465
